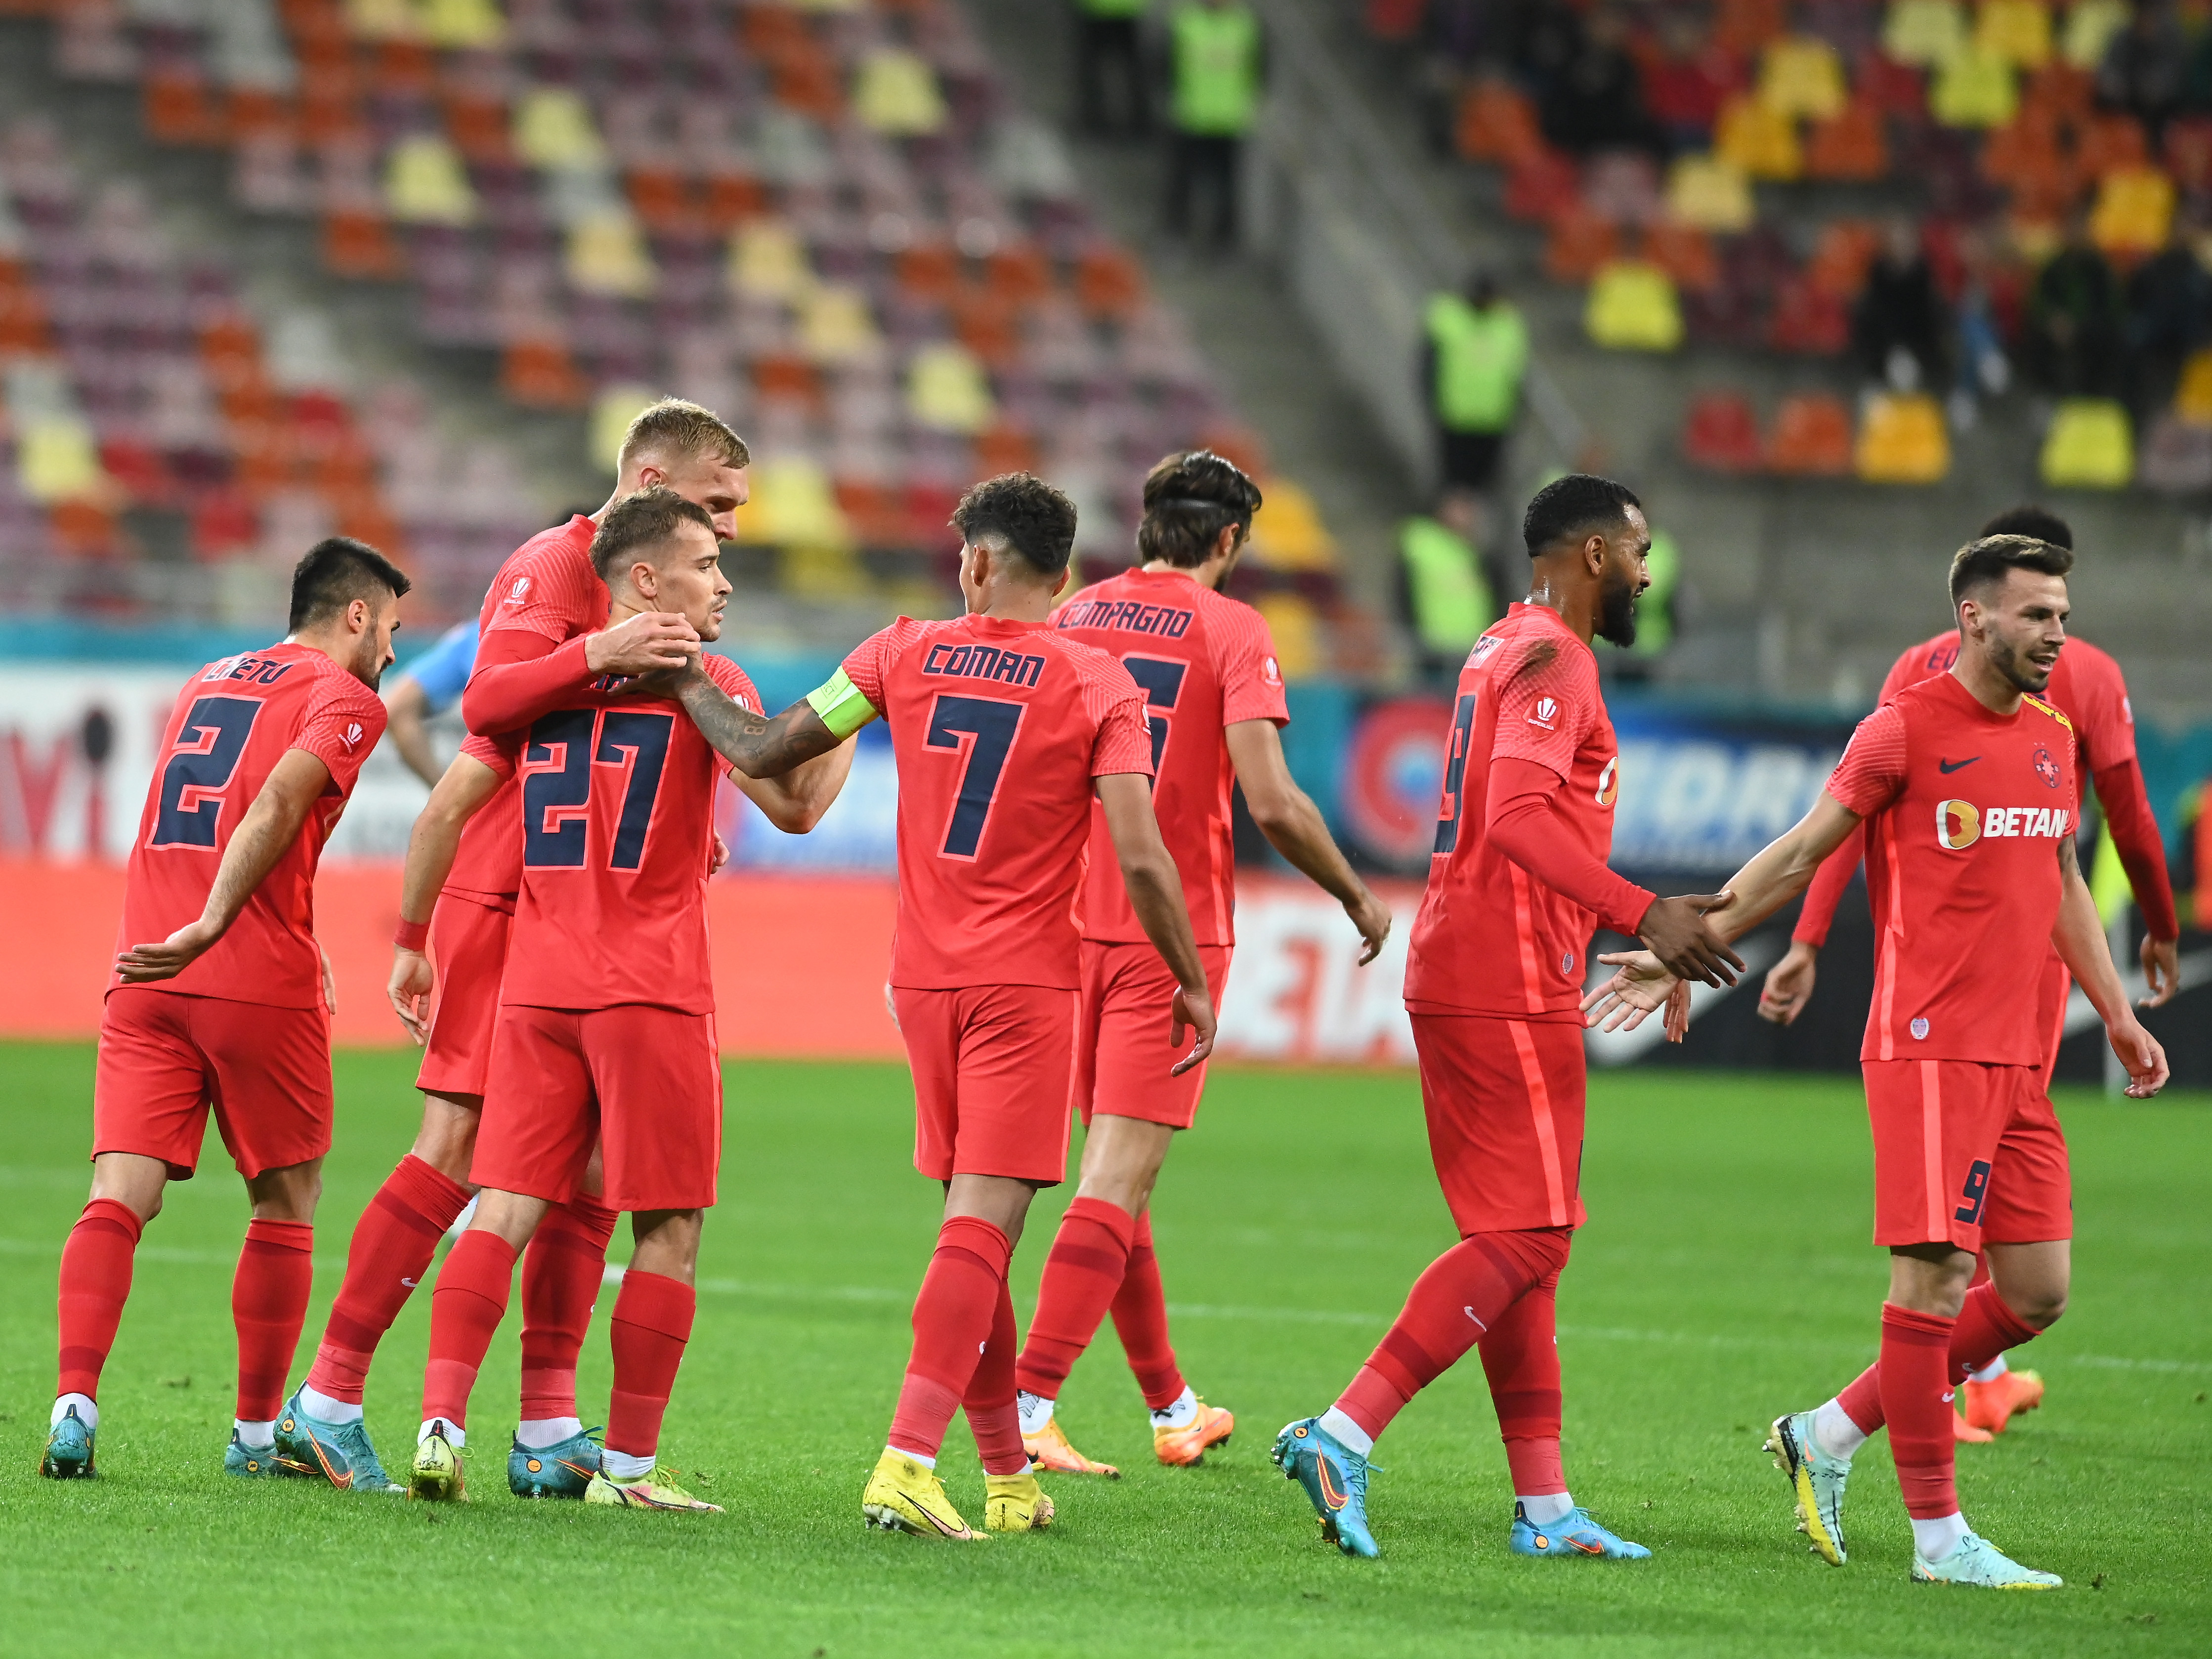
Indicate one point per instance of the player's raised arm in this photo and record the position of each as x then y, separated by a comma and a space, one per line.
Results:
2079, 935
521, 674
1155, 895
468, 783
760, 746
270, 825
1294, 826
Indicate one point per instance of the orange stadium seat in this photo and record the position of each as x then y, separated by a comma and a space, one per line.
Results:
1495, 122
1109, 282
1005, 447
1579, 243
1851, 148
478, 124
730, 196
1812, 437
929, 272
1720, 433
181, 108
1808, 318
541, 374
358, 244
1840, 259
1685, 253
1740, 27
257, 113
1543, 186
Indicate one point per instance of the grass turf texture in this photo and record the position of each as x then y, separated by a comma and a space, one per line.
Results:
1724, 1277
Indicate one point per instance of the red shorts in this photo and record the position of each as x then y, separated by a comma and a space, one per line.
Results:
1505, 1102
1968, 1153
992, 1075
468, 946
643, 1083
1123, 1054
166, 1056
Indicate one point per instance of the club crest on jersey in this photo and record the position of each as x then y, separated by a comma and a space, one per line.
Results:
2046, 767
1609, 782
1920, 1028
519, 592
1271, 671
1544, 713
1483, 648
1958, 825
352, 733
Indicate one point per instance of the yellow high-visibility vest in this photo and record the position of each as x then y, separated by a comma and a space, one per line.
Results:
1451, 597
1481, 356
1216, 70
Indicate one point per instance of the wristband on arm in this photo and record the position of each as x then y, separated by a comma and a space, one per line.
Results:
841, 706
411, 935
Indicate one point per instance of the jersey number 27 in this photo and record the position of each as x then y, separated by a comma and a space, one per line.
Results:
557, 801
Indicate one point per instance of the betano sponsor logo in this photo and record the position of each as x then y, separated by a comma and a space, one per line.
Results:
1960, 823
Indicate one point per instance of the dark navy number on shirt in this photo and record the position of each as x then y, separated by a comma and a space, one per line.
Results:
556, 798
199, 768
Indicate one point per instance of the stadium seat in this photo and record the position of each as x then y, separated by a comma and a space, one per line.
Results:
835, 324
2089, 446
1802, 77
2109, 143
1708, 192
1974, 89
1288, 533
426, 183
606, 254
1892, 88
2090, 27
1720, 433
358, 244
2017, 31
1840, 259
1743, 27
1759, 141
2177, 456
1496, 121
2188, 153
1902, 439
896, 93
1622, 187
2133, 212
946, 390
1301, 651
1925, 33
554, 128
1808, 318
1004, 446
1542, 187
1685, 253
1632, 307
1108, 283
1851, 148
541, 374
2192, 399
1579, 244
1812, 437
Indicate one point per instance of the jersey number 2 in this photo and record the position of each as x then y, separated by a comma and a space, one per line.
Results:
199, 768
555, 802
991, 725
1454, 800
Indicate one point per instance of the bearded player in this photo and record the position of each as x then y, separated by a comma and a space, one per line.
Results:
1213, 697
1003, 729
1966, 783
542, 631
1516, 883
2086, 687
222, 997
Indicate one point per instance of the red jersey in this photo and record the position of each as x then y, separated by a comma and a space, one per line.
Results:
546, 587
1204, 662
616, 799
1964, 810
2085, 686
998, 728
1491, 938
233, 721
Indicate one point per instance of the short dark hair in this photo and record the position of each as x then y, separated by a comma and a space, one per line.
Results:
1991, 558
2029, 519
334, 573
1571, 507
645, 520
1033, 518
1190, 498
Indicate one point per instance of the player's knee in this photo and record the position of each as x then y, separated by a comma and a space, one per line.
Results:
2041, 1306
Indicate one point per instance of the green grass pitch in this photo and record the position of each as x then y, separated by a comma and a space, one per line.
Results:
1724, 1277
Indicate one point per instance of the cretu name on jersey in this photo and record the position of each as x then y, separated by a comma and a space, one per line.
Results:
259, 670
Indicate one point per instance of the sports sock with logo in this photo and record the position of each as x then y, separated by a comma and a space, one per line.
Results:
562, 1268
1521, 1358
1458, 1297
95, 1281
269, 1304
1916, 1402
993, 1415
1083, 1274
953, 1314
1985, 1327
389, 1256
652, 1322
1141, 1320
466, 1305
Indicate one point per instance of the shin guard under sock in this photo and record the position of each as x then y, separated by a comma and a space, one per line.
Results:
993, 1417
389, 1255
1083, 1274
1986, 1328
1141, 1320
269, 1304
95, 1282
1521, 1358
1916, 1402
466, 1305
652, 1322
952, 1318
562, 1268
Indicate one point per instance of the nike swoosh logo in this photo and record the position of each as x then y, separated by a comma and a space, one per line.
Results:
1329, 1494
1479, 1325
411, 1282
1587, 1549
1948, 767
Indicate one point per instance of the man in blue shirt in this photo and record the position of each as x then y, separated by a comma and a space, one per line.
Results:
428, 686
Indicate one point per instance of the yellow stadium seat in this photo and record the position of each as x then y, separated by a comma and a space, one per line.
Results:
1300, 652
607, 254
835, 326
1287, 531
1924, 32
462, 24
2090, 446
2090, 27
1632, 307
1708, 193
426, 184
1976, 88
1758, 140
612, 411
2134, 212
946, 390
2018, 31
381, 19
792, 505
1800, 75
2192, 400
553, 128
1903, 440
57, 459
895, 93
769, 261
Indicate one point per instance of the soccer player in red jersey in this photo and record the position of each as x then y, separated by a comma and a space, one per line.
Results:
545, 610
606, 1033
2031, 1274
221, 996
1515, 886
1966, 783
1214, 696
1003, 729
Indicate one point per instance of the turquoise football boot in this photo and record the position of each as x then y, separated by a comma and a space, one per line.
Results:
1976, 1562
1334, 1477
1574, 1534
1816, 1483
563, 1469
250, 1462
68, 1450
341, 1453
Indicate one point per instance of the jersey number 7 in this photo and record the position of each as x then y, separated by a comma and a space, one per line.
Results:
557, 801
990, 725
199, 768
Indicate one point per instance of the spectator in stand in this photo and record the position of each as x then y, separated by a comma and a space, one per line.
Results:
1443, 594
1217, 70
2077, 321
1475, 359
1901, 326
1542, 38
427, 687
2169, 316
2146, 66
1109, 68
1596, 101
1686, 79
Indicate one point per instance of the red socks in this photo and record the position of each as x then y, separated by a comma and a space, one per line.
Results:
562, 1268
1520, 1358
1916, 1400
1452, 1306
651, 1324
992, 1416
1082, 1276
95, 1280
389, 1256
1986, 1328
269, 1304
465, 1309
953, 1316
1141, 1320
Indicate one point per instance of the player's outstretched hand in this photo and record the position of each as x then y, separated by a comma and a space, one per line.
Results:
650, 641
2161, 963
1675, 931
1372, 918
1788, 985
1678, 1012
2139, 1052
1195, 1010
410, 989
144, 964
1629, 997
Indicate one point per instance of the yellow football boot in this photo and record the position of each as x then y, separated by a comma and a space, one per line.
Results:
1015, 1503
655, 1491
1186, 1446
903, 1496
435, 1475
1048, 1449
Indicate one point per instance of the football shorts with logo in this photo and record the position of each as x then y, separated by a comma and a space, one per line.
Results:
1505, 1102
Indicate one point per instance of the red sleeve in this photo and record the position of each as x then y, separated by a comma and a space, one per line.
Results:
1245, 662
736, 684
344, 721
497, 753
1828, 888
1547, 707
1121, 739
2142, 850
1871, 773
869, 662
1524, 826
2104, 721
520, 674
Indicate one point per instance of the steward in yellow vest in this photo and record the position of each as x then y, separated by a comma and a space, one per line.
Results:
1475, 357
1217, 72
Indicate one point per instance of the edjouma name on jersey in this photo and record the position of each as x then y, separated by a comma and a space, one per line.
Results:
1128, 614
1960, 823
984, 662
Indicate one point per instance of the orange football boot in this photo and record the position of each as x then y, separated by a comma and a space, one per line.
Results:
1048, 1449
1992, 1405
1186, 1446
1964, 1433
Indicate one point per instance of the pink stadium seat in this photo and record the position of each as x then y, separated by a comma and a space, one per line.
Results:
1720, 433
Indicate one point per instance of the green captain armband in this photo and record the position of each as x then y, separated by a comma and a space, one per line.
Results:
841, 707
